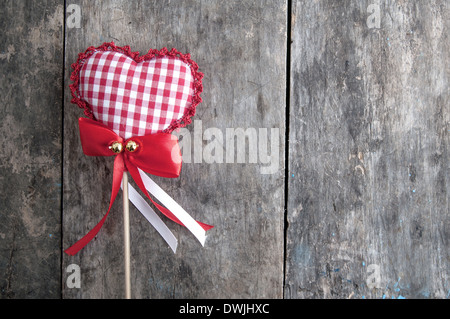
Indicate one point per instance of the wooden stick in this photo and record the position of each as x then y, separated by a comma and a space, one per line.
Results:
126, 233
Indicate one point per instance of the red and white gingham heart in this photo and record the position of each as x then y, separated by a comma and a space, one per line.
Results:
136, 96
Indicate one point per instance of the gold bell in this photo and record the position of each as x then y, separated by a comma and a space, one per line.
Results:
131, 146
116, 147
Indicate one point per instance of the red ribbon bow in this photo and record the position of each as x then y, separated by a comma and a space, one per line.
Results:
157, 154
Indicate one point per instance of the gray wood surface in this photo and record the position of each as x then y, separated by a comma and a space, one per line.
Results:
368, 150
31, 56
241, 49
360, 210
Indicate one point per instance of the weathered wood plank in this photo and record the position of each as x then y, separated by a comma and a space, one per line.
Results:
369, 135
241, 48
31, 61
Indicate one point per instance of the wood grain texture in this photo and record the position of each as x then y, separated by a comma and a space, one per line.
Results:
31, 61
368, 170
368, 150
241, 48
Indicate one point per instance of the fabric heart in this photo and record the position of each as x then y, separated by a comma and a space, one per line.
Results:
136, 95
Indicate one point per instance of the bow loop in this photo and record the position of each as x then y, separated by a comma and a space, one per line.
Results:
157, 154
96, 138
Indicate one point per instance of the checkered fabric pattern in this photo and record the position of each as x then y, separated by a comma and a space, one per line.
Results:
136, 99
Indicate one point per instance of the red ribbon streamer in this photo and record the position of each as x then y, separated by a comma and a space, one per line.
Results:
157, 154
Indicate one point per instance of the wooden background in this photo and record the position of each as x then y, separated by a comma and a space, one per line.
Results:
359, 204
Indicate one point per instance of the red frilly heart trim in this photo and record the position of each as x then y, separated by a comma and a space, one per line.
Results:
110, 46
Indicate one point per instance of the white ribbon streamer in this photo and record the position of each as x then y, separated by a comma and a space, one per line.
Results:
152, 217
173, 206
